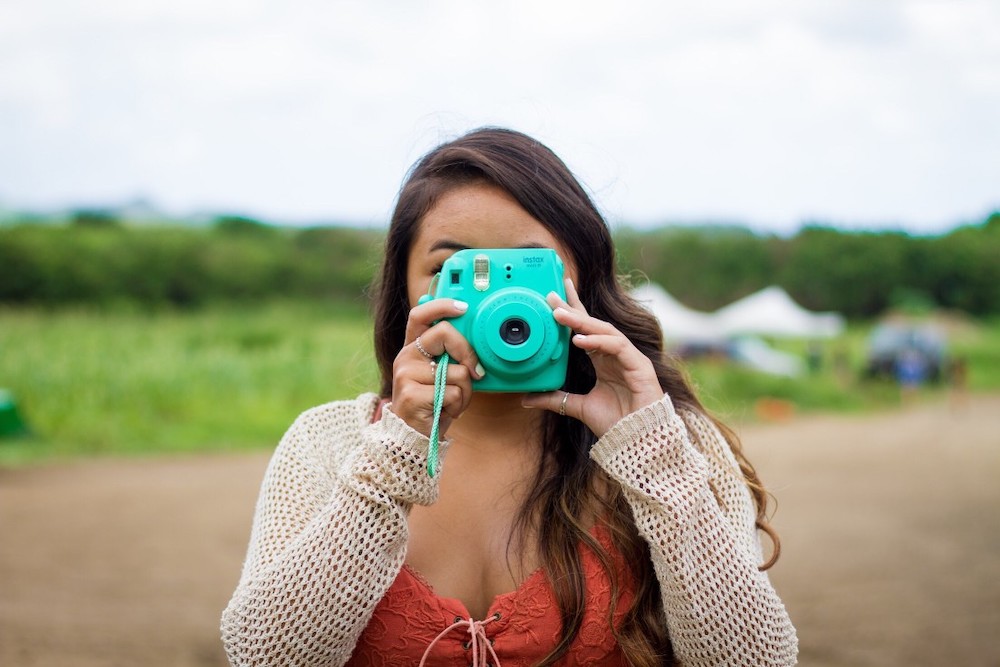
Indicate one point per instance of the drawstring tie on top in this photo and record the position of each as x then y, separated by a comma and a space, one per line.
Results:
479, 643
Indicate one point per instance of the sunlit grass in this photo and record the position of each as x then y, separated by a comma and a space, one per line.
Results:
123, 382
126, 382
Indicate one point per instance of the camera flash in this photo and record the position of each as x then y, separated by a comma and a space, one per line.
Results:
481, 272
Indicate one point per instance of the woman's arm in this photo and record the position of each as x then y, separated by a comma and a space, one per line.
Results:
720, 608
329, 536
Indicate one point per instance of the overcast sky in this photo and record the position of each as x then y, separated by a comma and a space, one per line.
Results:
860, 113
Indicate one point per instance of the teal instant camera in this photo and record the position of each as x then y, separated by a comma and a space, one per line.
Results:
509, 324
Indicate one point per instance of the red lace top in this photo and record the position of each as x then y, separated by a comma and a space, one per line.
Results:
412, 625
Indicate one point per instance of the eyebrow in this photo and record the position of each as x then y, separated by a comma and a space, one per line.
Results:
448, 244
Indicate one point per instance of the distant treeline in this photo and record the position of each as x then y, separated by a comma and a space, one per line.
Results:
97, 259
859, 274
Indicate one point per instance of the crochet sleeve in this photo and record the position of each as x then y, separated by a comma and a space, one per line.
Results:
329, 536
692, 506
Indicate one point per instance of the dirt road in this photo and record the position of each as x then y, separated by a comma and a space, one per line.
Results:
890, 527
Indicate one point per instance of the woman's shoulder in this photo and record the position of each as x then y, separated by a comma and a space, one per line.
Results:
330, 429
339, 416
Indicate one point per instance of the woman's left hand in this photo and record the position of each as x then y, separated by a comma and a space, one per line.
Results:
626, 380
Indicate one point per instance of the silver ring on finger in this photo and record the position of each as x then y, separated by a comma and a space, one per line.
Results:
562, 406
421, 350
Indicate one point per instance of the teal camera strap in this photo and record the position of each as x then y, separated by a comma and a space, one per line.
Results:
440, 378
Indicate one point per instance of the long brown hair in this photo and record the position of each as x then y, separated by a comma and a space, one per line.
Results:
568, 486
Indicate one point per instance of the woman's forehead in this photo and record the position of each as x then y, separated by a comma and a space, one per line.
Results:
479, 216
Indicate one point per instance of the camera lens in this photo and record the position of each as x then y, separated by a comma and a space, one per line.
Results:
514, 331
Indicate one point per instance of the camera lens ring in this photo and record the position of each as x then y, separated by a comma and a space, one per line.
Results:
515, 331
501, 357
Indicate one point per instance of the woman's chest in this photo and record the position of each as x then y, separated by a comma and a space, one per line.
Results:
472, 552
518, 628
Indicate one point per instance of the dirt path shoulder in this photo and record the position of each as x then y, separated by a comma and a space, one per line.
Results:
889, 523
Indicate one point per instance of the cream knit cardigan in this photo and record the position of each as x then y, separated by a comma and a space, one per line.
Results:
330, 533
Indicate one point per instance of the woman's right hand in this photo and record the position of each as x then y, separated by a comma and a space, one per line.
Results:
413, 372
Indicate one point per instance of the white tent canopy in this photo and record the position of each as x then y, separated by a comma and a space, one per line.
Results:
771, 312
737, 327
679, 323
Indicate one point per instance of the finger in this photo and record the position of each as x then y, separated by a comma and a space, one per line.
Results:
444, 337
571, 301
572, 298
578, 319
617, 346
456, 400
415, 367
423, 317
556, 301
582, 322
425, 372
410, 400
413, 392
457, 375
560, 402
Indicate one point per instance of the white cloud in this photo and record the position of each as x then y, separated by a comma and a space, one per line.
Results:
769, 111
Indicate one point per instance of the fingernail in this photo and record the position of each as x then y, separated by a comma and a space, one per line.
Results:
559, 309
579, 337
461, 306
480, 371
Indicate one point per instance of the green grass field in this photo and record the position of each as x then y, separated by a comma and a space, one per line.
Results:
125, 382
118, 382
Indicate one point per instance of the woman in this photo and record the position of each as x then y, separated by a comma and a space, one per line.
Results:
609, 523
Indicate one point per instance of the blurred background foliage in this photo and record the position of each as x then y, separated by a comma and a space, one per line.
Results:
95, 258
859, 274
100, 260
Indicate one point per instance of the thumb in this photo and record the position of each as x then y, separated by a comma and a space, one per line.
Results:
560, 402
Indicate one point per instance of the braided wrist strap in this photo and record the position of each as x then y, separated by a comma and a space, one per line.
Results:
440, 377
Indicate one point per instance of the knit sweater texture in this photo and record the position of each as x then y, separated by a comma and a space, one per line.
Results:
329, 536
